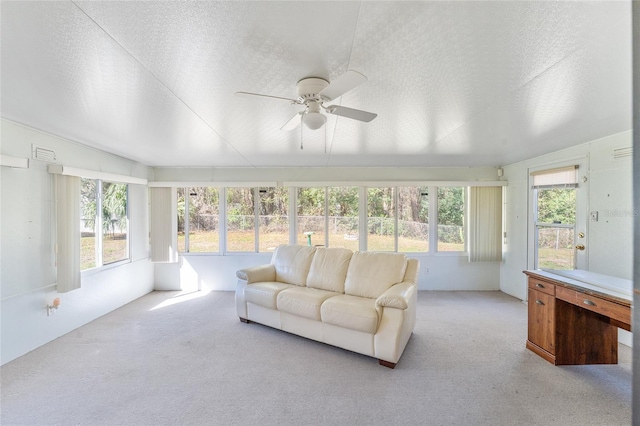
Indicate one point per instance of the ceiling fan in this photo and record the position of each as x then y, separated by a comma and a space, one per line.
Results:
313, 92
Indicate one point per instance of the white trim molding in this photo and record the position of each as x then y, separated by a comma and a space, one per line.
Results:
58, 169
15, 162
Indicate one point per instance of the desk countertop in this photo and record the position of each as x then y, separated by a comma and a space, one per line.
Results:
590, 281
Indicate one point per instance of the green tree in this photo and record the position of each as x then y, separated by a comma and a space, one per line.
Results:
88, 202
557, 205
451, 206
114, 206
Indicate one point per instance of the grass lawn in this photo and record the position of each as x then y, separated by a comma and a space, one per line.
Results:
556, 259
113, 249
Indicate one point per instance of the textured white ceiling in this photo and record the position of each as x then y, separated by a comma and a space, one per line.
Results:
453, 83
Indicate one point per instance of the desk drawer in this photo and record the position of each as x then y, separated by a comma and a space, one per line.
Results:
595, 304
543, 286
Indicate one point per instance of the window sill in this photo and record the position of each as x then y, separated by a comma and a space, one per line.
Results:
98, 269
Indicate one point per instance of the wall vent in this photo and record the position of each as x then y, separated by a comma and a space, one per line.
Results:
623, 152
42, 154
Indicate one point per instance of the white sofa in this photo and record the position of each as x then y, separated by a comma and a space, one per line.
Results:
361, 301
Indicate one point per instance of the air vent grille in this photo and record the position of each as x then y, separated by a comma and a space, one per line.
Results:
623, 152
42, 154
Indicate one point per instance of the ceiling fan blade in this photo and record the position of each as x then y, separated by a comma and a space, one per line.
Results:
293, 123
341, 85
355, 114
295, 101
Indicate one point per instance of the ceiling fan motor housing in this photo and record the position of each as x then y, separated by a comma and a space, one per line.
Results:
308, 88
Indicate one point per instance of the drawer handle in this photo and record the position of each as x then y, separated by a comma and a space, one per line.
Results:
589, 302
539, 285
539, 302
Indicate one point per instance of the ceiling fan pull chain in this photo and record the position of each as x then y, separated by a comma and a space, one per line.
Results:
301, 146
325, 139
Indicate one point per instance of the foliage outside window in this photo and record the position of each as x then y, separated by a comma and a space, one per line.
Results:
451, 208
413, 219
104, 224
311, 215
181, 221
330, 214
273, 218
381, 223
241, 220
343, 217
88, 224
257, 219
199, 232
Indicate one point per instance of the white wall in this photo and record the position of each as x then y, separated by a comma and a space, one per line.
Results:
27, 270
609, 240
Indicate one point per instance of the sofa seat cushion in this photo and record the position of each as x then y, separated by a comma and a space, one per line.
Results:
303, 302
356, 313
265, 293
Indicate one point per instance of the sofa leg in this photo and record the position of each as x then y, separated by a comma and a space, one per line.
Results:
387, 363
244, 320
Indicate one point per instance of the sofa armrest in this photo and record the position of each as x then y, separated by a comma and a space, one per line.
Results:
398, 296
257, 274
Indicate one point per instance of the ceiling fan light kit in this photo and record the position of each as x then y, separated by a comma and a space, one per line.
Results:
313, 92
314, 120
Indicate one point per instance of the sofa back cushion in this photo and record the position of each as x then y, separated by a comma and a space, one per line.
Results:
371, 274
329, 269
292, 263
411, 274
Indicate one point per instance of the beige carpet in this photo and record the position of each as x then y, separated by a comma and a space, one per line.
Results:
169, 359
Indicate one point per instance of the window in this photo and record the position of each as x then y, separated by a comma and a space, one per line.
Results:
104, 223
115, 221
182, 221
451, 208
273, 218
258, 219
329, 215
241, 220
555, 228
311, 215
381, 223
88, 224
413, 219
343, 217
199, 231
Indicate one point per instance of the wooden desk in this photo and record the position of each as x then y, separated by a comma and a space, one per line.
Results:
574, 323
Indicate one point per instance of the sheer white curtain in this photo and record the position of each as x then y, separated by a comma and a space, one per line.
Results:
67, 232
163, 225
485, 224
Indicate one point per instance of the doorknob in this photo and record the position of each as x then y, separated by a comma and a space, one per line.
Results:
580, 247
